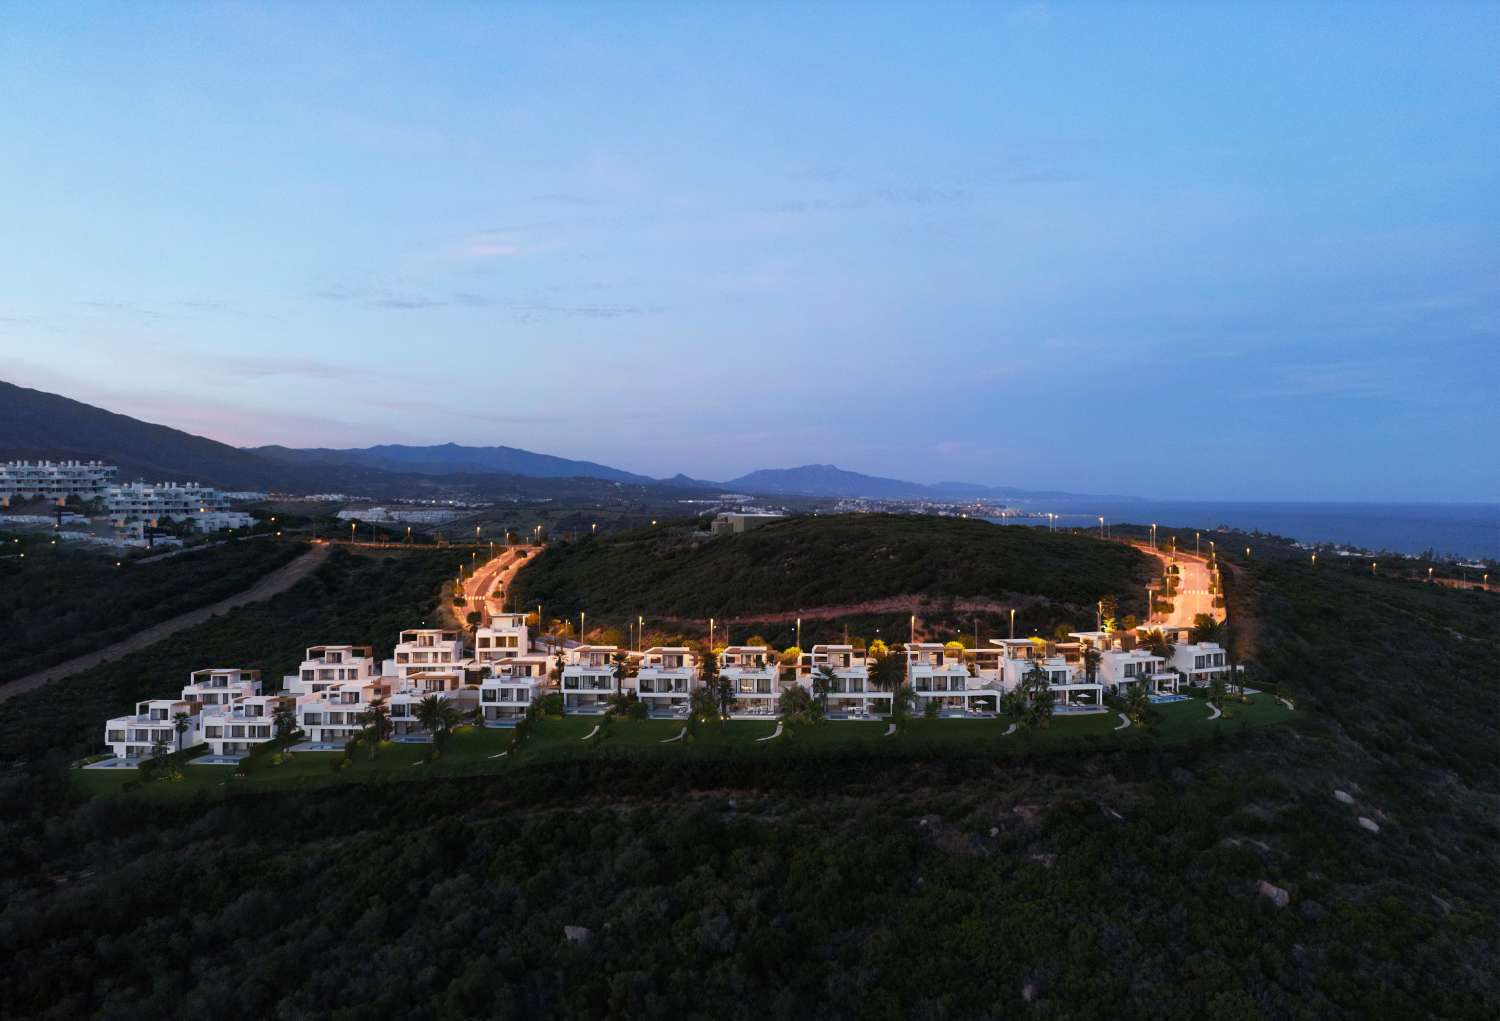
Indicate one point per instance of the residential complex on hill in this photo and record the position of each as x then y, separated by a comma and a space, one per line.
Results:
339, 691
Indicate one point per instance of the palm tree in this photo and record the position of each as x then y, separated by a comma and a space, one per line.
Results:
1206, 629
725, 692
1039, 697
285, 723
429, 713
822, 684
449, 717
376, 719
1091, 658
887, 673
180, 723
1138, 703
160, 747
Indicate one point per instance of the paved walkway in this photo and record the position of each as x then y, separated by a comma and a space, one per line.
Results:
590, 733
1010, 730
1124, 722
777, 734
679, 737
273, 584
1215, 714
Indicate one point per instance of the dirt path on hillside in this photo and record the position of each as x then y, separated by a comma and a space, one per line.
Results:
273, 584
910, 603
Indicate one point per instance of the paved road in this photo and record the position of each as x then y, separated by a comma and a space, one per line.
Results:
275, 583
492, 579
1193, 595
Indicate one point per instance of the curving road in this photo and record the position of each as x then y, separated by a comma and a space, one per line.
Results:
492, 579
1193, 595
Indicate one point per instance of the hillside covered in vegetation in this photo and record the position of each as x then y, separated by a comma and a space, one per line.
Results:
823, 561
1339, 867
57, 602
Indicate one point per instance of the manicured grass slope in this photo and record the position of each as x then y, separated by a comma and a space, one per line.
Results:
474, 752
826, 561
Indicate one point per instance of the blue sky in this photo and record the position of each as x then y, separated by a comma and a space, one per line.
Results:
1191, 251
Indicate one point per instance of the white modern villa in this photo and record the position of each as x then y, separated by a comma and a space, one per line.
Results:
849, 692
589, 679
423, 650
510, 686
665, 680
157, 723
504, 637
753, 674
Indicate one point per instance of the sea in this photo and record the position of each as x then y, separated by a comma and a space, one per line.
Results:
1460, 531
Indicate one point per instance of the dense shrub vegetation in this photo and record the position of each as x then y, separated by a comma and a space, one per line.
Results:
828, 561
59, 601
1106, 884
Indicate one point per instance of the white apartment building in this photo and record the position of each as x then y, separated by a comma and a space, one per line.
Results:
754, 679
426, 650
154, 723
54, 480
849, 691
666, 679
220, 686
217, 521
152, 502
327, 665
505, 637
236, 729
589, 678
511, 685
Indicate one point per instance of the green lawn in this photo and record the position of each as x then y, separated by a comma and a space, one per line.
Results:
473, 751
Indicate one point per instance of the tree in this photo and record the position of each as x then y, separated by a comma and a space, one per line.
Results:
822, 684
180, 723
284, 721
161, 747
1217, 691
796, 705
703, 706
1158, 643
376, 721
1206, 629
725, 692
1138, 703
1091, 659
887, 672
1039, 697
438, 717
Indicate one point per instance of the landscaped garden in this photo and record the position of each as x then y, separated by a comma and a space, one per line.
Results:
473, 751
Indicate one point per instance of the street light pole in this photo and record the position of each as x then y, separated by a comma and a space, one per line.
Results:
1012, 623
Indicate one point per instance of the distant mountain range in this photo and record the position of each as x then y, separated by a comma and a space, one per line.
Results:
450, 458
35, 424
